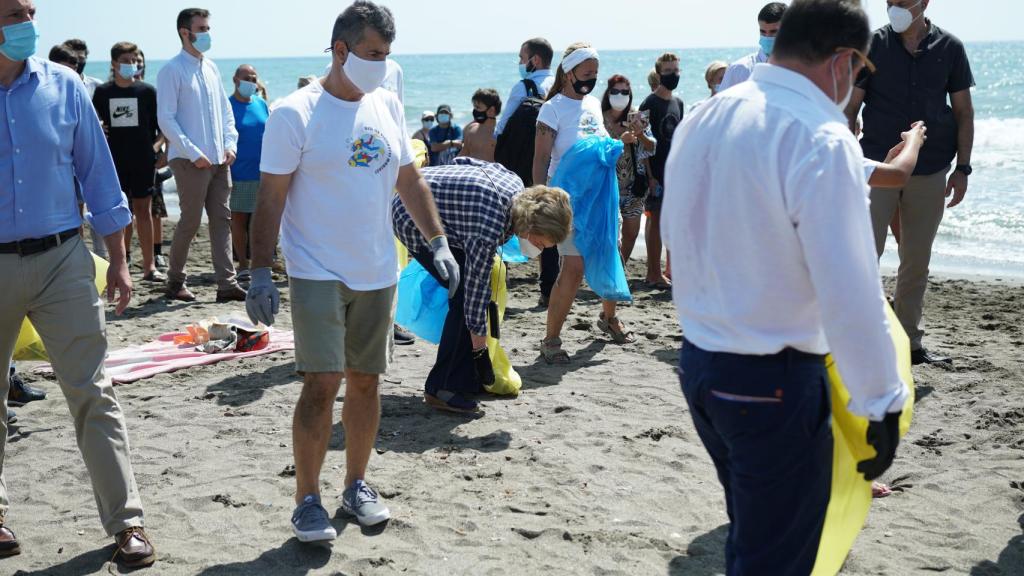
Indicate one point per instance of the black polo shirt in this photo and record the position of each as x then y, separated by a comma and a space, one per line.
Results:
907, 88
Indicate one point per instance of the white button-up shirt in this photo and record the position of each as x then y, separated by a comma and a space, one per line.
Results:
740, 70
766, 216
193, 110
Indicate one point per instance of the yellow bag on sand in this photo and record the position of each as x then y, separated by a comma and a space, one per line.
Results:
507, 381
419, 151
29, 345
851, 494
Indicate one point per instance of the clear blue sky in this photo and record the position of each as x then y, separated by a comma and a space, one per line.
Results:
264, 28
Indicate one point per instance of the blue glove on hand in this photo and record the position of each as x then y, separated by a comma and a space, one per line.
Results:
262, 299
445, 264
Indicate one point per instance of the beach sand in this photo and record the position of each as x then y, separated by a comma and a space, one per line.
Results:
594, 469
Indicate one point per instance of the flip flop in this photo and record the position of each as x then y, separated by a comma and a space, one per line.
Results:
551, 350
658, 286
614, 331
451, 402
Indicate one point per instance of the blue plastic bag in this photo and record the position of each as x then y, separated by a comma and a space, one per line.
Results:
422, 303
511, 252
587, 173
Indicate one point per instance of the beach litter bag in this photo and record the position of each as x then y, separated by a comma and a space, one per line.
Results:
587, 173
422, 303
850, 499
29, 345
507, 381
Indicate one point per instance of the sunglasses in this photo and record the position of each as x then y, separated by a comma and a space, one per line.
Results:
863, 58
616, 92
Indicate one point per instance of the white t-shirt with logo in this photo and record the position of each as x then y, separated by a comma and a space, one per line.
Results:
344, 159
573, 120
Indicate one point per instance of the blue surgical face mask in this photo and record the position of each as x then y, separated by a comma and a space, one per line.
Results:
767, 44
444, 118
524, 73
246, 89
202, 41
127, 71
19, 41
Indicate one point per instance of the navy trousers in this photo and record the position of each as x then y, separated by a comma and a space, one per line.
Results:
453, 370
549, 267
766, 422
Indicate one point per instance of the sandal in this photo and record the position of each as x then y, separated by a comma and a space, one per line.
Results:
154, 276
616, 329
551, 350
660, 286
451, 402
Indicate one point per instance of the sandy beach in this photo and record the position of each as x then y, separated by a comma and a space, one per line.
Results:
594, 469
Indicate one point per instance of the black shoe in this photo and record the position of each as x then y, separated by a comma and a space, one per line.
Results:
21, 393
542, 302
161, 262
924, 356
403, 337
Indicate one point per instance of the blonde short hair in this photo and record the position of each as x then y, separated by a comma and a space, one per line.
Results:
653, 79
713, 69
544, 211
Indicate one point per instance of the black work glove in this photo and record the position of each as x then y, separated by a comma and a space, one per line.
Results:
482, 367
884, 436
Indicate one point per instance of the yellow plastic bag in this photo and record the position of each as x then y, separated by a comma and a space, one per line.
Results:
29, 345
419, 151
850, 500
507, 381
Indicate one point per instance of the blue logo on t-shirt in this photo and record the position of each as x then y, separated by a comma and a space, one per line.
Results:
369, 149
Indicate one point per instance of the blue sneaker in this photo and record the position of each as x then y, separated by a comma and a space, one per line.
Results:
310, 521
361, 501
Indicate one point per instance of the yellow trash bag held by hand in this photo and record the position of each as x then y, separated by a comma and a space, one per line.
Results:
419, 152
29, 345
507, 381
850, 499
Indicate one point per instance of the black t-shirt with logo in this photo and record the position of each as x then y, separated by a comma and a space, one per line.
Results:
666, 115
130, 116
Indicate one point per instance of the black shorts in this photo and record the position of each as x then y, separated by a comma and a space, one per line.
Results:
137, 179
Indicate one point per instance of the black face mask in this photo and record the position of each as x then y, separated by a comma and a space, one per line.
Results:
584, 86
670, 81
81, 67
479, 116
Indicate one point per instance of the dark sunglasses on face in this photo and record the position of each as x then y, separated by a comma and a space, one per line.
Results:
616, 92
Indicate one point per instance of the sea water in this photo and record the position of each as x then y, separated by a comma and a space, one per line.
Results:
984, 235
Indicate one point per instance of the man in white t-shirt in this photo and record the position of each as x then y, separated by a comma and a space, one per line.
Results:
332, 155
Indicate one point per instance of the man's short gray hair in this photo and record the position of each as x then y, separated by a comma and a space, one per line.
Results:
351, 25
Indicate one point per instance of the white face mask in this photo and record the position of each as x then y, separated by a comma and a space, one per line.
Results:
367, 75
528, 249
835, 85
619, 101
902, 18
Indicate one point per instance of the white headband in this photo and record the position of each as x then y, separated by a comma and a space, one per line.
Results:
577, 57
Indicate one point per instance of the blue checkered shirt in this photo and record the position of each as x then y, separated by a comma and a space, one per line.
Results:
474, 200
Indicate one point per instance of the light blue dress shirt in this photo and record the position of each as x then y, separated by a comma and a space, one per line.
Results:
49, 137
193, 110
544, 79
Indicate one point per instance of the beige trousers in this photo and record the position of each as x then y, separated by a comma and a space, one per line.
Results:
921, 204
199, 189
56, 290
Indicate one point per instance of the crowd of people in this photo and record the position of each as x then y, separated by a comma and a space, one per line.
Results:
760, 193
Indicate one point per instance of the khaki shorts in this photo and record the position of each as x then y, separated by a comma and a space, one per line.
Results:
326, 312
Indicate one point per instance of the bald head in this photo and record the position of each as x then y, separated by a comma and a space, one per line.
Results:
246, 72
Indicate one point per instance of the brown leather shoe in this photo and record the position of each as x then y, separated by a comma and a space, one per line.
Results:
178, 291
134, 549
8, 543
233, 294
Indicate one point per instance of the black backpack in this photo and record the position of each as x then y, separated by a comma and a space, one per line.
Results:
514, 149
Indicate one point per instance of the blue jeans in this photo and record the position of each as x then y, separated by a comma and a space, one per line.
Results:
766, 422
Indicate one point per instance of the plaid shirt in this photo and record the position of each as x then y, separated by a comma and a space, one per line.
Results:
474, 199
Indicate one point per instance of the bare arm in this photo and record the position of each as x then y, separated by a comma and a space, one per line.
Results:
419, 202
901, 161
853, 108
266, 222
543, 143
963, 113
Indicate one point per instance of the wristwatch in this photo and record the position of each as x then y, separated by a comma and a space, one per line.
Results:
965, 168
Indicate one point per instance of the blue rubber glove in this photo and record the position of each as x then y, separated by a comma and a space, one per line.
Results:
445, 264
262, 299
